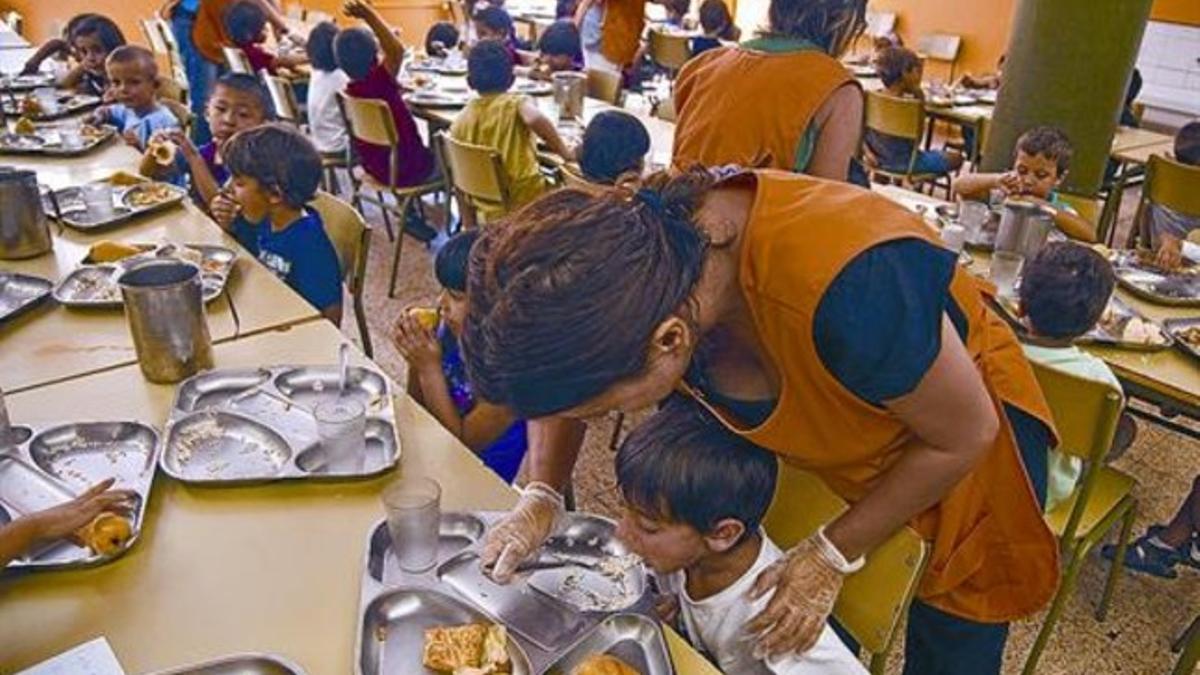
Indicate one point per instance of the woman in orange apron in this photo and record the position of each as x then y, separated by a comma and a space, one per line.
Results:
818, 320
781, 100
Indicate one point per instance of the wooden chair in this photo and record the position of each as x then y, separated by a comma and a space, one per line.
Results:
1169, 184
370, 121
941, 47
476, 174
1189, 646
283, 99
874, 599
351, 238
669, 50
162, 43
236, 60
903, 118
604, 85
1085, 414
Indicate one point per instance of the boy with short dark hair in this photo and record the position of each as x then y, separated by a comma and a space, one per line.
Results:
133, 85
1041, 162
441, 38
614, 143
493, 23
246, 26
901, 71
718, 26
559, 50
275, 173
695, 497
1169, 228
325, 121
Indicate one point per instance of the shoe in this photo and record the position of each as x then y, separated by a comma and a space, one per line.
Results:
415, 226
1148, 558
1189, 553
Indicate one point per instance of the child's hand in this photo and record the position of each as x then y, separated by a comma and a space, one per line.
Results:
131, 139
224, 210
1011, 183
180, 139
417, 344
1170, 252
63, 520
666, 606
356, 9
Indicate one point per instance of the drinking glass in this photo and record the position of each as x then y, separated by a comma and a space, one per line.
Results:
973, 216
954, 237
98, 198
1005, 270
341, 429
413, 507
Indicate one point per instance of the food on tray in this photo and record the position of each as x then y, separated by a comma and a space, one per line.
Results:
1140, 331
1190, 336
603, 664
163, 152
472, 649
111, 251
150, 194
427, 317
107, 533
124, 178
25, 127
89, 132
31, 106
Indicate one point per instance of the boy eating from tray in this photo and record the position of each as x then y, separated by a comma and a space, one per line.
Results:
133, 86
275, 172
695, 496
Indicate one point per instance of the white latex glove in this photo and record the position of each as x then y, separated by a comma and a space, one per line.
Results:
520, 534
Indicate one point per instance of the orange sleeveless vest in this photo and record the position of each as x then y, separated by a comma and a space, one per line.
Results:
621, 34
750, 108
209, 30
993, 559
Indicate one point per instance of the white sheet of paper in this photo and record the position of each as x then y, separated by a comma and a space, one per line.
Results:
90, 658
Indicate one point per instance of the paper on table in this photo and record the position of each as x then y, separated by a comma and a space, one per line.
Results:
90, 658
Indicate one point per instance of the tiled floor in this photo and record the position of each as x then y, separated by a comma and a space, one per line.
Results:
1146, 613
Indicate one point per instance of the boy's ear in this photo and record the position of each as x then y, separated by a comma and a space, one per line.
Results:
725, 535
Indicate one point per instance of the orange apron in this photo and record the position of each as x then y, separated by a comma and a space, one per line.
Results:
993, 559
621, 33
750, 108
209, 30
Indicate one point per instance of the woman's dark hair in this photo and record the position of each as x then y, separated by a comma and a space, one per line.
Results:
1187, 144
356, 52
102, 27
566, 293
442, 36
74, 21
561, 38
1049, 142
245, 22
893, 62
320, 46
674, 463
451, 262
1065, 289
279, 158
614, 143
489, 67
831, 25
251, 85
494, 18
716, 20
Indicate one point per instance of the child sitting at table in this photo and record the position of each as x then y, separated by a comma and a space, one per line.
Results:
27, 532
986, 80
90, 38
274, 173
133, 89
493, 23
509, 123
238, 102
695, 495
325, 122
1042, 159
437, 377
59, 49
441, 39
718, 26
901, 70
1063, 293
246, 26
1162, 547
559, 50
614, 144
1169, 228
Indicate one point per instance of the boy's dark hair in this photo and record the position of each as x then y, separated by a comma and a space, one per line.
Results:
320, 46
248, 84
1065, 289
614, 143
494, 18
716, 20
102, 27
450, 263
489, 67
561, 38
683, 465
134, 54
1049, 142
1187, 144
893, 62
356, 52
73, 22
678, 7
244, 22
445, 34
279, 158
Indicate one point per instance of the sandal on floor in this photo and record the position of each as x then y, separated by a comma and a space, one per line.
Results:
1147, 558
1189, 553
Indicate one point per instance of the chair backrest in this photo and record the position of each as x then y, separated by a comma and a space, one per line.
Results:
940, 46
350, 235
476, 171
669, 50
572, 177
283, 98
1089, 208
154, 36
874, 599
895, 116
665, 110
604, 85
880, 23
368, 120
1172, 184
236, 60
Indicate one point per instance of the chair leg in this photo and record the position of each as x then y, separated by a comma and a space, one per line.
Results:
387, 219
399, 247
616, 434
1065, 588
1118, 563
1190, 645
364, 332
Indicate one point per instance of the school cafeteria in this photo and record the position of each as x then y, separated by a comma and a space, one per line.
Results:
600, 337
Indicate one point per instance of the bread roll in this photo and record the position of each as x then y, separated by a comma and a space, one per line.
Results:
603, 664
107, 533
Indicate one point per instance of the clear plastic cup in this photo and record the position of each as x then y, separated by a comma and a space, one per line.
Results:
1005, 270
98, 198
954, 237
341, 429
413, 508
973, 216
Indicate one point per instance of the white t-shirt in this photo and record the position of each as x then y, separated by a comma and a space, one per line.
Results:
324, 118
716, 626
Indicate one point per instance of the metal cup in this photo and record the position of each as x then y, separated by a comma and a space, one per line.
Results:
24, 231
165, 309
569, 90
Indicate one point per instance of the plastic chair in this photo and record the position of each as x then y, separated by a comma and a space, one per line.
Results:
570, 176
1171, 184
283, 99
1085, 414
476, 174
943, 47
872, 600
1092, 209
605, 86
669, 50
351, 238
1189, 645
903, 118
370, 121
236, 60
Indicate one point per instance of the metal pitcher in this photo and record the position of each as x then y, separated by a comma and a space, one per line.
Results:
569, 89
1024, 227
166, 318
24, 231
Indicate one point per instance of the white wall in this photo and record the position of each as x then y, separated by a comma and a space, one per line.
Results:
1169, 61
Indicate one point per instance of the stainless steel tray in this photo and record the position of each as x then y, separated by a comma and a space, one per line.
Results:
532, 87
95, 285
239, 664
437, 100
20, 83
66, 205
68, 104
1109, 332
1179, 329
256, 425
1138, 275
54, 464
48, 142
439, 66
20, 293
635, 639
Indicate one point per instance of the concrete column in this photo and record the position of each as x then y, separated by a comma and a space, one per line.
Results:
1068, 65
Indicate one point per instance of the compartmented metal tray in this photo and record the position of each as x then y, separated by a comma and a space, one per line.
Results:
1186, 333
10, 82
54, 464
256, 425
49, 142
532, 87
635, 639
95, 285
437, 99
439, 66
67, 104
1120, 326
130, 201
20, 293
1137, 273
239, 664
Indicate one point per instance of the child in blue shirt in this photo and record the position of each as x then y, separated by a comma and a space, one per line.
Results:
133, 86
901, 71
1169, 228
275, 172
437, 378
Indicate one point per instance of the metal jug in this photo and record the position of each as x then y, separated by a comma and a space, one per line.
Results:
24, 231
1024, 227
166, 318
569, 90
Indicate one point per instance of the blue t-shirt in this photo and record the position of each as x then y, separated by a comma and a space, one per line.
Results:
300, 254
126, 119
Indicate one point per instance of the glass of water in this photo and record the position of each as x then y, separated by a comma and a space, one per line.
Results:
341, 429
413, 507
1005, 270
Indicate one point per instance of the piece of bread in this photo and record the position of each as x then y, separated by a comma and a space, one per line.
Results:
427, 317
107, 533
24, 127
451, 647
603, 664
107, 251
